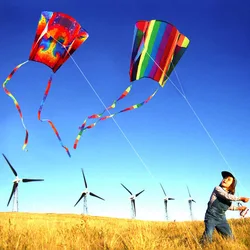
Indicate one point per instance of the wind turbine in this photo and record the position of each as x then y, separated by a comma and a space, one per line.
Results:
15, 185
84, 195
166, 199
132, 198
190, 200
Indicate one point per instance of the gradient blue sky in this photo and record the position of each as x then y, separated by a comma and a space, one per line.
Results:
171, 145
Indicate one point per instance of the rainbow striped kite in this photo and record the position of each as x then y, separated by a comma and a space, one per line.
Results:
157, 48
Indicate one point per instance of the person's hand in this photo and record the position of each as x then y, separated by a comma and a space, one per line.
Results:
242, 208
244, 199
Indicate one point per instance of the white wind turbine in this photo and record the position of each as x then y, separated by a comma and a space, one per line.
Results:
132, 198
84, 195
16, 181
166, 199
190, 200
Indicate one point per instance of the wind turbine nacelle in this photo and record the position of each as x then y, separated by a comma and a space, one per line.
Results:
17, 180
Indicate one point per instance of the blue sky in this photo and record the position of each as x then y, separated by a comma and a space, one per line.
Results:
171, 145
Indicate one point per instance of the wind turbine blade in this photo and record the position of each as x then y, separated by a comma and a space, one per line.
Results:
193, 200
95, 196
139, 193
12, 192
171, 199
133, 204
29, 180
163, 190
79, 199
84, 179
13, 170
188, 192
126, 189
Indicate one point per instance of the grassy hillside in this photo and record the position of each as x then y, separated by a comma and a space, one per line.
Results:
67, 231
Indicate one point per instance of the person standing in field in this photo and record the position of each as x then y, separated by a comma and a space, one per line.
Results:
221, 201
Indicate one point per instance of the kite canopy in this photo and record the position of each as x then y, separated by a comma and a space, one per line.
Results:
57, 37
157, 48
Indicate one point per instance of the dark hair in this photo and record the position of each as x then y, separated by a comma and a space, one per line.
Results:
231, 189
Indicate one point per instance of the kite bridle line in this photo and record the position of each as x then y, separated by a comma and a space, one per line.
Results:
196, 115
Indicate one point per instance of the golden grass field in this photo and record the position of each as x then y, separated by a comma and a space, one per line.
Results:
68, 231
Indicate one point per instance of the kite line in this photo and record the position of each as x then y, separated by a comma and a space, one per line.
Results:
196, 115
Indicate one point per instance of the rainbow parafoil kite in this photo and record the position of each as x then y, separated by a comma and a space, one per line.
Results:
157, 48
57, 37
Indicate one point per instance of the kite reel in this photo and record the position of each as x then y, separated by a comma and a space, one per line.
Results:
243, 213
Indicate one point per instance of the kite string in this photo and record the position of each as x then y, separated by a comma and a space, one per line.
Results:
198, 118
178, 79
131, 145
127, 139
223, 157
129, 142
196, 115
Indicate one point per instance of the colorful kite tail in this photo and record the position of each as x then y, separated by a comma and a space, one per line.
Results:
47, 120
83, 128
16, 103
112, 106
94, 116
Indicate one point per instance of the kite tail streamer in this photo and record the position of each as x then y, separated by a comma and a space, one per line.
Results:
16, 103
47, 120
113, 105
83, 127
94, 116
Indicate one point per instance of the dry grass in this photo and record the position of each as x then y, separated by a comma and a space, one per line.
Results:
61, 231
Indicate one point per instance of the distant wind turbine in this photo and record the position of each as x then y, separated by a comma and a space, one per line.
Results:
166, 199
190, 200
84, 195
132, 198
15, 185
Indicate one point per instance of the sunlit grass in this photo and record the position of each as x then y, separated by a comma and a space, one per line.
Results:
66, 231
